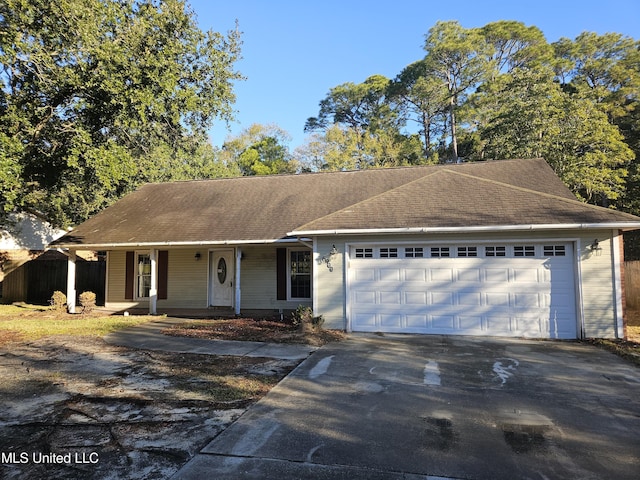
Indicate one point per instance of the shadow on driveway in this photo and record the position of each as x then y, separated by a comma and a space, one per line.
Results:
404, 406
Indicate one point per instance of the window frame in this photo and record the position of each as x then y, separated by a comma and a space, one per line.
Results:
290, 274
138, 276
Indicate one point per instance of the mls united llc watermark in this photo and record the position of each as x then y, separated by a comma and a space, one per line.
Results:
53, 458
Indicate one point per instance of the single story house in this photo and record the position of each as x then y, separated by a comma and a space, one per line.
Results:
496, 248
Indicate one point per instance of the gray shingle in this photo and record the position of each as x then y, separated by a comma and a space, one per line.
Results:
267, 208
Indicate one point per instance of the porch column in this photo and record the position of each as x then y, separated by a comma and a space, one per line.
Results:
153, 289
71, 282
237, 292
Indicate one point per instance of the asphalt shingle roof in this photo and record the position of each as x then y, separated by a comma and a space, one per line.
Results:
244, 209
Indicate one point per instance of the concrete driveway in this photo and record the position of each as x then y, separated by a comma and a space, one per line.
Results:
405, 406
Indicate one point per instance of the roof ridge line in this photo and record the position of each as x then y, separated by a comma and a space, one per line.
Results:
524, 189
428, 174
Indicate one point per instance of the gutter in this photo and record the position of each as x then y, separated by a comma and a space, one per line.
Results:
497, 228
200, 243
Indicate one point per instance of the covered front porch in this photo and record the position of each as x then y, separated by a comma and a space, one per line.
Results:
204, 280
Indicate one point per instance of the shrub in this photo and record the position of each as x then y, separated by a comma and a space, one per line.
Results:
88, 301
304, 319
58, 300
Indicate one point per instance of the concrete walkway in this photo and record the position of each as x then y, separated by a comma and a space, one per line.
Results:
149, 336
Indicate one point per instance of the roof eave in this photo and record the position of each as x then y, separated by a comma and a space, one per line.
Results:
625, 226
198, 243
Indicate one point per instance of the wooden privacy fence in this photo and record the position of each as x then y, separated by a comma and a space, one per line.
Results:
632, 284
46, 276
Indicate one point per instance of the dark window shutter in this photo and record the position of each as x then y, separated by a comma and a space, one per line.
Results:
281, 269
163, 273
129, 275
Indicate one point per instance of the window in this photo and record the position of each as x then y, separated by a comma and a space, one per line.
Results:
413, 252
364, 252
439, 252
495, 251
388, 253
467, 251
299, 274
524, 251
554, 251
143, 275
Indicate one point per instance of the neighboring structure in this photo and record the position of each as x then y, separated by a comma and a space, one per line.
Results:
490, 248
24, 238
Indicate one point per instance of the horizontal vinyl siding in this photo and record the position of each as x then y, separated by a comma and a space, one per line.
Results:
598, 287
116, 274
258, 280
330, 289
187, 280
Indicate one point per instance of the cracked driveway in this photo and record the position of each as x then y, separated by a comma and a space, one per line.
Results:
438, 407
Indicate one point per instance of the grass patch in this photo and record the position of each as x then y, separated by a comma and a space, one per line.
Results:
31, 322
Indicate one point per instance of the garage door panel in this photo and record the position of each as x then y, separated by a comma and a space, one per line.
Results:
441, 298
415, 275
364, 275
470, 323
526, 300
418, 321
443, 322
389, 274
415, 298
471, 275
364, 297
441, 275
504, 296
469, 298
526, 275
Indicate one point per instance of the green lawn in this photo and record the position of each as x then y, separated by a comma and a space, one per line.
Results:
29, 322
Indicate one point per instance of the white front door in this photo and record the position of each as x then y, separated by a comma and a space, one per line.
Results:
221, 270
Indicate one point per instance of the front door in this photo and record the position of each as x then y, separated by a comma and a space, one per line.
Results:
221, 278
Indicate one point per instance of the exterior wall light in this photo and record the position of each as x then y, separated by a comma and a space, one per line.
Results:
596, 248
197, 256
327, 258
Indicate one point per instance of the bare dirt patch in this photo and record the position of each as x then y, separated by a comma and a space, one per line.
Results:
75, 407
254, 330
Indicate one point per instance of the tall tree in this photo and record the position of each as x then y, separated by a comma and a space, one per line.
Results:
458, 58
91, 89
534, 117
514, 45
422, 98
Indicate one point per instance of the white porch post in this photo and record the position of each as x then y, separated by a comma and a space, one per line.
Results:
237, 290
71, 282
153, 290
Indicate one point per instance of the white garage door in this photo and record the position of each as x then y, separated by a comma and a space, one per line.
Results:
498, 290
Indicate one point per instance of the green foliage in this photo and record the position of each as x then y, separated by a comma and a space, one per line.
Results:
92, 90
260, 150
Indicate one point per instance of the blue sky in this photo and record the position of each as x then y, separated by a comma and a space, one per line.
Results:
294, 51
